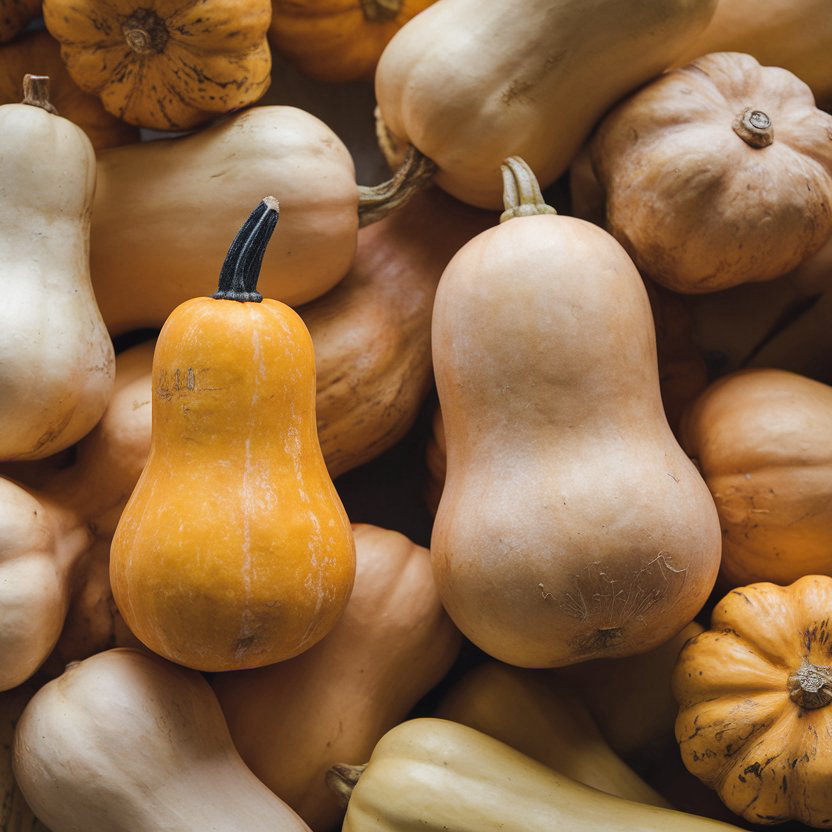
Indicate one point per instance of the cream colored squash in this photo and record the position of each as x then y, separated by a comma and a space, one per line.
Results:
56, 360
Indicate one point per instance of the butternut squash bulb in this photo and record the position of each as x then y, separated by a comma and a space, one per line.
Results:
435, 775
763, 442
39, 54
291, 721
793, 34
572, 525
165, 65
125, 740
717, 173
15, 14
529, 78
338, 40
56, 359
754, 693
234, 550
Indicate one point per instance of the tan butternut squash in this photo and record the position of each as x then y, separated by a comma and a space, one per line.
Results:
293, 720
572, 525
717, 173
432, 775
37, 53
523, 65
538, 715
793, 34
754, 693
52, 538
763, 442
164, 65
126, 740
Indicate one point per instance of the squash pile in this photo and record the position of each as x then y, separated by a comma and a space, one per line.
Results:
327, 505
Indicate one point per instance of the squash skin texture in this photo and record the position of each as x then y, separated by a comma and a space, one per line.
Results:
433, 775
335, 40
571, 525
738, 729
258, 567
127, 741
469, 102
793, 34
192, 61
763, 441
56, 359
39, 54
391, 646
696, 206
209, 180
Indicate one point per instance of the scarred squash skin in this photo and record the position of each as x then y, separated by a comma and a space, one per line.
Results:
763, 442
754, 717
572, 525
234, 550
165, 64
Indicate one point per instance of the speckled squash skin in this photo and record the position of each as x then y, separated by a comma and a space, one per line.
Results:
338, 40
14, 15
763, 442
165, 64
754, 720
234, 550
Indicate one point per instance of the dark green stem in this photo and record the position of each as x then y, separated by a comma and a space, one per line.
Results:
241, 269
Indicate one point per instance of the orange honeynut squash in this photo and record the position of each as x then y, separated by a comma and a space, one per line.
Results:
234, 550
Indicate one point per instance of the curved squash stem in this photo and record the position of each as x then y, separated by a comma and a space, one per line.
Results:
36, 92
391, 148
375, 202
241, 269
380, 11
521, 192
341, 778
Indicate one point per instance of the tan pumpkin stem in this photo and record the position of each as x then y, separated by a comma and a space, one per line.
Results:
36, 92
521, 191
145, 32
375, 202
379, 11
341, 778
392, 149
810, 686
754, 127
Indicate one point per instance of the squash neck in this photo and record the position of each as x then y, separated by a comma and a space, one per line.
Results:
521, 192
342, 779
810, 686
380, 11
241, 269
145, 32
754, 127
36, 92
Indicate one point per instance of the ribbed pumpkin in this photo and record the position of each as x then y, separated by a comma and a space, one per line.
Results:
39, 54
15, 14
338, 40
162, 64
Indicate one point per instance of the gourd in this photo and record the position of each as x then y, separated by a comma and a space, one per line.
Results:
37, 53
433, 774
338, 40
793, 34
234, 550
58, 392
77, 764
717, 174
467, 103
15, 14
161, 65
55, 535
545, 362
191, 193
763, 442
753, 696
291, 721
530, 711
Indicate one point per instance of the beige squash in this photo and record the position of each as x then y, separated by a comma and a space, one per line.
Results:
572, 525
127, 741
529, 78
